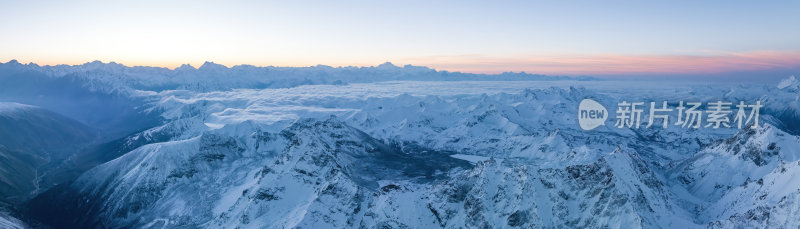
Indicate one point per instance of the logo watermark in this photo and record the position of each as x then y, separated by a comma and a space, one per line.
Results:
592, 114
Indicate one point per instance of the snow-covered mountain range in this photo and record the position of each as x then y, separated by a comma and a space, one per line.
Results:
382, 148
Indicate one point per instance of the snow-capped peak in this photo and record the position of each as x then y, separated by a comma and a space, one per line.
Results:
387, 66
185, 67
6, 107
13, 62
791, 84
208, 65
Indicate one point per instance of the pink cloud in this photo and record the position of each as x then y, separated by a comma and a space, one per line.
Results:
617, 64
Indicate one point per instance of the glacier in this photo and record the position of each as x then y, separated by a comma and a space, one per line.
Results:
399, 147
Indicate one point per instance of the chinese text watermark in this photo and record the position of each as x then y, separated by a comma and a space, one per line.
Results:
592, 114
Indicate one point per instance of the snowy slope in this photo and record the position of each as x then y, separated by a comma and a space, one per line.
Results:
748, 179
9, 222
413, 154
325, 173
33, 141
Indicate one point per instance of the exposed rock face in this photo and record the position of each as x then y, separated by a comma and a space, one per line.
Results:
406, 155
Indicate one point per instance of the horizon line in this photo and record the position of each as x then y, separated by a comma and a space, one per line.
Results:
555, 65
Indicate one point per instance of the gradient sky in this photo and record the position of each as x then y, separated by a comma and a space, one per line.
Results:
549, 37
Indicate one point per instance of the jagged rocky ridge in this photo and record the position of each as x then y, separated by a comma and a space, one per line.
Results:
116, 78
255, 159
323, 153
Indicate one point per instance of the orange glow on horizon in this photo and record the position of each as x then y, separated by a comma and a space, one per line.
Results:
609, 64
613, 64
